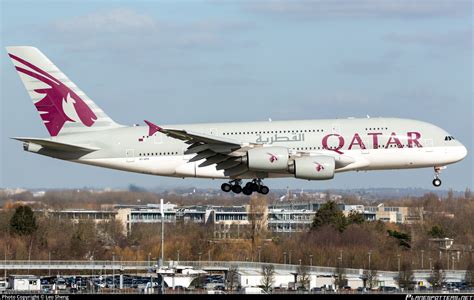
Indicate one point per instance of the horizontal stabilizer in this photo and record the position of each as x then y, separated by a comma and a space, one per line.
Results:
52, 145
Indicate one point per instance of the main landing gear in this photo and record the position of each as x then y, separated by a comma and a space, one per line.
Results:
437, 181
255, 185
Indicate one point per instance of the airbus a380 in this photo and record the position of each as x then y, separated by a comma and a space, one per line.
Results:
81, 132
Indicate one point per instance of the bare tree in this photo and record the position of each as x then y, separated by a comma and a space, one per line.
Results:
467, 193
469, 277
371, 278
437, 277
405, 277
303, 276
257, 210
340, 279
233, 277
268, 277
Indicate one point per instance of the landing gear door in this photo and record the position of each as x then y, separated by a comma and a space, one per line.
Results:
130, 155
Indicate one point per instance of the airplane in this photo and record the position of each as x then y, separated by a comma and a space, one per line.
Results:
83, 133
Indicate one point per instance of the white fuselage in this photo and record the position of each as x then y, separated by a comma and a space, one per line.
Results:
368, 144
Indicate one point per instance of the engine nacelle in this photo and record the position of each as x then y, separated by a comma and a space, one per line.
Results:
268, 159
313, 167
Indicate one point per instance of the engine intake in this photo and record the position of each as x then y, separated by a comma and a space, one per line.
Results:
313, 167
268, 159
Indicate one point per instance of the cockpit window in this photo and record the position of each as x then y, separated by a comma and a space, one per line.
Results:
449, 138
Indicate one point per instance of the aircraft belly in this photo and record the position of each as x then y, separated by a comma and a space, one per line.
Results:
382, 159
203, 172
146, 165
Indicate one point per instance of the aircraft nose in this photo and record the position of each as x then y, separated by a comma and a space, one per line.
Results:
462, 152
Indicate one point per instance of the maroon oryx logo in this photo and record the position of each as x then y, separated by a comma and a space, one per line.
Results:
272, 157
55, 96
319, 167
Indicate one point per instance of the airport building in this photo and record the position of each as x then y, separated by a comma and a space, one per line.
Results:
230, 221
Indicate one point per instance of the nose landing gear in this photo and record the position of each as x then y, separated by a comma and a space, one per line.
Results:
437, 181
255, 185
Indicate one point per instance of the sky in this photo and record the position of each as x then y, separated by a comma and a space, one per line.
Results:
215, 61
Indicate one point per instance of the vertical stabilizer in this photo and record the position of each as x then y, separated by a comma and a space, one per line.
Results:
62, 106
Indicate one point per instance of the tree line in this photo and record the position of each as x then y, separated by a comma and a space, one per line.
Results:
334, 240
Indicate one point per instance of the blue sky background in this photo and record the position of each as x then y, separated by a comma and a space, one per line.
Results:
217, 61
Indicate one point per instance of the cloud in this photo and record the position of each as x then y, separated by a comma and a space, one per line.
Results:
317, 9
385, 64
461, 39
114, 21
128, 29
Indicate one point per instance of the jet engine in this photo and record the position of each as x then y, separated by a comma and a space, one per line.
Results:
313, 167
268, 159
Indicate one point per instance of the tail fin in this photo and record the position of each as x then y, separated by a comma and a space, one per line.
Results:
62, 106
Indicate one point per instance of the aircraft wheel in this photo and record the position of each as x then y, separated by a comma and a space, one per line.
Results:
437, 182
254, 187
264, 189
236, 189
247, 191
226, 187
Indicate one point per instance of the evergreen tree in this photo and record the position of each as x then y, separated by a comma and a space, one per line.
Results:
23, 221
403, 238
355, 218
330, 214
437, 232
268, 277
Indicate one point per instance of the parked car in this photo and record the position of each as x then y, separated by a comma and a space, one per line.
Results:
180, 288
253, 290
3, 285
61, 283
388, 289
215, 292
301, 288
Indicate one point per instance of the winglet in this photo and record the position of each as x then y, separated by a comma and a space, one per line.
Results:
152, 128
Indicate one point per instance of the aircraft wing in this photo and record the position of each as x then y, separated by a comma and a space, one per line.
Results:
225, 152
